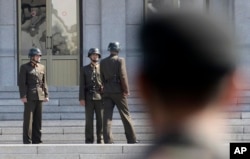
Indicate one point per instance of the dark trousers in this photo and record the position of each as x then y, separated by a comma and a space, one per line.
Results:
109, 101
32, 122
93, 107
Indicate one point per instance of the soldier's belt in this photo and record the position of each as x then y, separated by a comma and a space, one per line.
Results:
91, 90
112, 81
34, 85
39, 85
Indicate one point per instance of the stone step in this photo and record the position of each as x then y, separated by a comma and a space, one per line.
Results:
65, 116
64, 135
63, 109
78, 113
57, 108
59, 102
80, 151
55, 129
71, 131
69, 123
72, 151
119, 138
72, 138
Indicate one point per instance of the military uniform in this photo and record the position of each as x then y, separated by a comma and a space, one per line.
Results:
33, 86
181, 145
90, 91
114, 77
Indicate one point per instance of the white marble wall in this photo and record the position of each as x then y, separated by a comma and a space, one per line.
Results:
113, 21
8, 36
92, 26
242, 28
134, 18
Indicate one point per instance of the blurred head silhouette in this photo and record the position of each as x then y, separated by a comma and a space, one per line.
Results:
186, 74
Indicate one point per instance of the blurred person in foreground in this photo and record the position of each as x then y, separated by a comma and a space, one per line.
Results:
186, 80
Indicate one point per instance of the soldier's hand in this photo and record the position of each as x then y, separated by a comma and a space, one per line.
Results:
101, 89
82, 102
46, 99
24, 100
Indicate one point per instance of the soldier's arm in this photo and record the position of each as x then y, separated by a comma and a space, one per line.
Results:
22, 82
46, 92
123, 76
101, 73
82, 85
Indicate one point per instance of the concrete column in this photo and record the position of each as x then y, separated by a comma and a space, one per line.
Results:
8, 34
134, 19
113, 24
91, 27
242, 29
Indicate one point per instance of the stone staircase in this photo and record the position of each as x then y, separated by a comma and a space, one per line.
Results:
69, 132
63, 105
64, 139
63, 117
63, 129
64, 120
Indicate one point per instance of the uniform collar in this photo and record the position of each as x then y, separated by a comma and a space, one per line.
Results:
94, 65
33, 63
113, 55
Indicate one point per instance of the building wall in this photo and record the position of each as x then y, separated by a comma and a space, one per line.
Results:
8, 39
113, 20
102, 23
242, 28
116, 20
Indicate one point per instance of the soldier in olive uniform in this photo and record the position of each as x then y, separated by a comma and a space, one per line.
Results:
33, 92
90, 96
115, 92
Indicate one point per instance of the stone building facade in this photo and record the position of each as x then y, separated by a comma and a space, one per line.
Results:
102, 21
